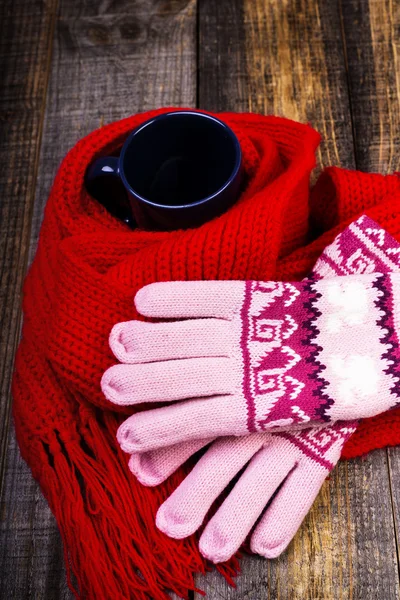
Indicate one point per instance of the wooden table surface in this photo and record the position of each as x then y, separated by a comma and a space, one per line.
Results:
68, 66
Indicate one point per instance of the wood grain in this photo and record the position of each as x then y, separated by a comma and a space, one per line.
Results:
283, 58
25, 48
110, 60
296, 66
371, 33
31, 556
222, 72
25, 53
394, 478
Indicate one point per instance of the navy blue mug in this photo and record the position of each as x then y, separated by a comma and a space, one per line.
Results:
174, 171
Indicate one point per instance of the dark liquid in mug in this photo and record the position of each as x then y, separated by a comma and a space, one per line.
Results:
179, 162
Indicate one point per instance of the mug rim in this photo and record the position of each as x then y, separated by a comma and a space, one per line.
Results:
228, 182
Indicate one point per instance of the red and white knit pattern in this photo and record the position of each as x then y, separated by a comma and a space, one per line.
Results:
361, 248
319, 351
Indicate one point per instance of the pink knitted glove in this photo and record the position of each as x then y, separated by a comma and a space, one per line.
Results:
301, 459
258, 356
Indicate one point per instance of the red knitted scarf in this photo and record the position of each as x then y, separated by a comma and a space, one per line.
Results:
87, 269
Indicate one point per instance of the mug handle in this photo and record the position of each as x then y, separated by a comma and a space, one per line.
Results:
103, 182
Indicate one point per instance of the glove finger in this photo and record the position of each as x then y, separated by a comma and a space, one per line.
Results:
233, 521
186, 299
287, 511
192, 420
154, 467
138, 342
168, 380
184, 511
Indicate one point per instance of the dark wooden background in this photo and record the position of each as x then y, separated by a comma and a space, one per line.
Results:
69, 66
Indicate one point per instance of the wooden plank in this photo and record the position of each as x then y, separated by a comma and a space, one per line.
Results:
370, 30
25, 52
109, 61
287, 58
30, 551
394, 477
25, 48
370, 33
282, 58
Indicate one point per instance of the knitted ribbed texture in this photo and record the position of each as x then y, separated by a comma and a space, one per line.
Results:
87, 269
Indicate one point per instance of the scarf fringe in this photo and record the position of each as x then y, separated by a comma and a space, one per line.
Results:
103, 519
